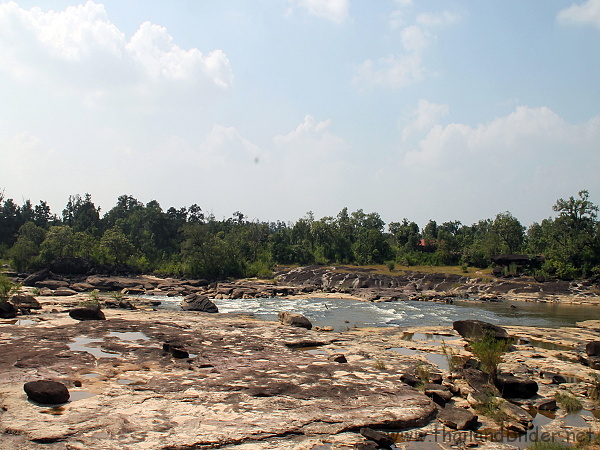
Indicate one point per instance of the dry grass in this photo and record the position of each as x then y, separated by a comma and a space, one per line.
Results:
382, 269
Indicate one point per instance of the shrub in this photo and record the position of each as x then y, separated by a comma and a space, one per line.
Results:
390, 265
489, 351
7, 288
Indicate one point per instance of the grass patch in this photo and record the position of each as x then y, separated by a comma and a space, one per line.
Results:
382, 269
569, 402
380, 365
490, 407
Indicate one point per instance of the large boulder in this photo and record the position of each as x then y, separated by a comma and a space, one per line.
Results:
513, 387
25, 301
71, 265
294, 319
47, 392
198, 302
87, 313
477, 329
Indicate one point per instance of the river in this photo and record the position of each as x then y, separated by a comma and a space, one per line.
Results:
343, 314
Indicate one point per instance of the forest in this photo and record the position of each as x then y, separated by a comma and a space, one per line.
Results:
137, 237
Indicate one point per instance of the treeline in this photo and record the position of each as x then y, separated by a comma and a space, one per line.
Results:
187, 242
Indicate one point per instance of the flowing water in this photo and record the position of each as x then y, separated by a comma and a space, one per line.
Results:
343, 314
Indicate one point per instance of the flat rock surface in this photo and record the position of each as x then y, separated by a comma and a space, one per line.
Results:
242, 384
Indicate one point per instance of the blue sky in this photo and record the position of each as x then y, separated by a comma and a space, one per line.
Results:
444, 110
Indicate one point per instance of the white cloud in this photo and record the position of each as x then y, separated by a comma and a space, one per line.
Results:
414, 39
336, 11
395, 71
423, 118
521, 162
79, 49
403, 69
433, 19
587, 13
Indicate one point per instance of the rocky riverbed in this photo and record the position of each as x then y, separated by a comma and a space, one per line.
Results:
249, 384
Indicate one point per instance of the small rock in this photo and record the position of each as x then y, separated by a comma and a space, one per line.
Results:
87, 313
593, 348
176, 350
338, 358
7, 310
294, 320
457, 418
546, 404
47, 392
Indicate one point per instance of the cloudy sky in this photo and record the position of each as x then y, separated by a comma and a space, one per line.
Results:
424, 109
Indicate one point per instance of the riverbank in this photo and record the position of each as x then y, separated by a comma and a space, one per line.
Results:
331, 282
250, 384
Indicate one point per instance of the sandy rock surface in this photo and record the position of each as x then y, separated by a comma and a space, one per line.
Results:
242, 383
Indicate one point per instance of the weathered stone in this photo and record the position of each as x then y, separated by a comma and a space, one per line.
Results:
338, 358
35, 277
381, 439
87, 313
546, 404
176, 350
477, 329
25, 301
47, 392
515, 412
514, 387
64, 292
481, 384
593, 348
409, 379
198, 302
457, 418
294, 320
51, 284
7, 310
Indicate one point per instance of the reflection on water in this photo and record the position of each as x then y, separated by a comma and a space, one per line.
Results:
343, 313
81, 344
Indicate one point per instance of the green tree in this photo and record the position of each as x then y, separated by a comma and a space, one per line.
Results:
25, 253
59, 242
510, 232
115, 246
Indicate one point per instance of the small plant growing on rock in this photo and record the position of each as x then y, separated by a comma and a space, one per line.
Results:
380, 365
452, 356
569, 402
93, 300
423, 373
117, 295
489, 351
7, 288
489, 406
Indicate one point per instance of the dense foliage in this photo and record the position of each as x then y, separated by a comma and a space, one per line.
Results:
187, 242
